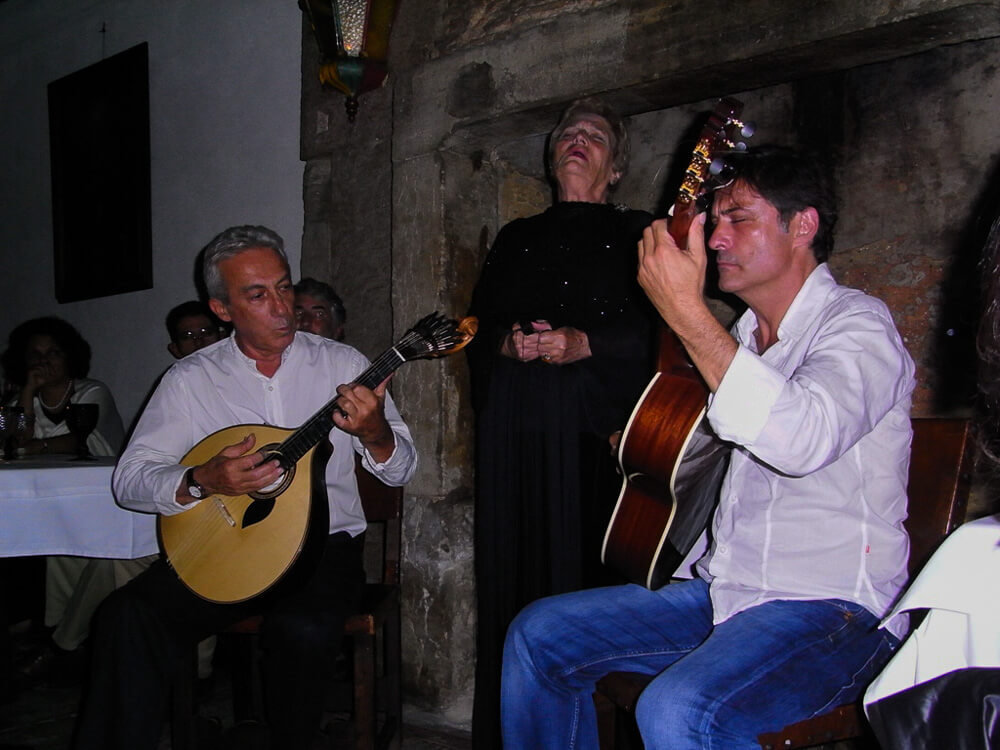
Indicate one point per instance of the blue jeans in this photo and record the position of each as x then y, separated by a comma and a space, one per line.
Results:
717, 686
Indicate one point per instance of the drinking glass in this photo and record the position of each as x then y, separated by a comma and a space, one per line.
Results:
8, 424
81, 420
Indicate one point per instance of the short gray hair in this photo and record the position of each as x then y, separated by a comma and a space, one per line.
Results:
590, 106
230, 242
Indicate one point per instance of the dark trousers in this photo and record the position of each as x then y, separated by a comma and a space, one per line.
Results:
143, 630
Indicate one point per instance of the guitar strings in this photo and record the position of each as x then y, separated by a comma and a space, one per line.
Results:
211, 521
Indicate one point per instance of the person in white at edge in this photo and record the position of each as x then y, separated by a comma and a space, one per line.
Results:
266, 372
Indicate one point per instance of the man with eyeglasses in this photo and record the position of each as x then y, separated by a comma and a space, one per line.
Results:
191, 326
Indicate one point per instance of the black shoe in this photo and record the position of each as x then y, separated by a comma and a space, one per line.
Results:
55, 668
208, 733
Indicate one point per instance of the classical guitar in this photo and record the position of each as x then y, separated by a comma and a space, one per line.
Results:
231, 549
671, 462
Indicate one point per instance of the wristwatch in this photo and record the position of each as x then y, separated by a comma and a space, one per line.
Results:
194, 489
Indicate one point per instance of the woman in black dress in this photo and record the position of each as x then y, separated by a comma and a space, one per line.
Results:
563, 353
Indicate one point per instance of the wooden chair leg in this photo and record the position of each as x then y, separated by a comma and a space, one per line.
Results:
392, 660
364, 692
607, 714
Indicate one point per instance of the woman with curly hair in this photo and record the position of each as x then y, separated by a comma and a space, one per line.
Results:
47, 362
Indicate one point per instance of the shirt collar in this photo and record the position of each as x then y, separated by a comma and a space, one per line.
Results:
808, 302
250, 363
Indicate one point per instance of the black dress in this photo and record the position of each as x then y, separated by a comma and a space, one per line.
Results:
545, 478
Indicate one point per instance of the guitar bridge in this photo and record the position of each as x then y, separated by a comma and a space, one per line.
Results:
223, 510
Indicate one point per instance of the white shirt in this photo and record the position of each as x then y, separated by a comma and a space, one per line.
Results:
106, 438
218, 387
813, 502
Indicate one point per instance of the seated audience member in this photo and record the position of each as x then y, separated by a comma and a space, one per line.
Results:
266, 372
812, 388
319, 310
191, 325
49, 361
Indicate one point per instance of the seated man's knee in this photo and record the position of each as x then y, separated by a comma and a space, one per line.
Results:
531, 625
667, 710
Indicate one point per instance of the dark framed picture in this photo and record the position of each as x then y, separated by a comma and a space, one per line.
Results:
99, 140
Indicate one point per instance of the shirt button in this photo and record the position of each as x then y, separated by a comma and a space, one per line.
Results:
724, 549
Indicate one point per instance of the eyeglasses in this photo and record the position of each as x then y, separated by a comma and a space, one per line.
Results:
199, 334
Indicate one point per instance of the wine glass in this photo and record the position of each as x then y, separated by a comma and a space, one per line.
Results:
81, 420
8, 425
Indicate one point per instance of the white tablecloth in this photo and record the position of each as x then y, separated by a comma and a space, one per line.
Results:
51, 505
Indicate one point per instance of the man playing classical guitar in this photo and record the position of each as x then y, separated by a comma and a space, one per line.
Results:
266, 372
812, 389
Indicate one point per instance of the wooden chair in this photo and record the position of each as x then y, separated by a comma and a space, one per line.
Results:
375, 635
938, 490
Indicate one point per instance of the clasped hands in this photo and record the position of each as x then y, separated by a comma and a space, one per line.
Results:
236, 471
559, 346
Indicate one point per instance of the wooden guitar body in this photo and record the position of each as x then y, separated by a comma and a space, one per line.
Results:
672, 466
231, 549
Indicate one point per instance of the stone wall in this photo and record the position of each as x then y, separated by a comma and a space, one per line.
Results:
402, 206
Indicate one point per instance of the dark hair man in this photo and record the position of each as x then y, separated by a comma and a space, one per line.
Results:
812, 389
319, 310
266, 372
191, 326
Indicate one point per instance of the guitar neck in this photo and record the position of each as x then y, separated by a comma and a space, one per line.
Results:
680, 222
318, 425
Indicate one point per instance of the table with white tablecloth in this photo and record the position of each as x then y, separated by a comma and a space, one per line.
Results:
52, 505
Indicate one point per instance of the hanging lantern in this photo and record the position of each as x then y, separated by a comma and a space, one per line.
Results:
353, 38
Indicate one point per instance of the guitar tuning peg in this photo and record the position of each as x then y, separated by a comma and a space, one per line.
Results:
739, 146
747, 129
717, 166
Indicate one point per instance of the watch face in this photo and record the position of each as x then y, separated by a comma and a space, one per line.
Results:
195, 490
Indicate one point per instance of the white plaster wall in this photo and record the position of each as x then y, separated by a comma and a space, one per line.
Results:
224, 80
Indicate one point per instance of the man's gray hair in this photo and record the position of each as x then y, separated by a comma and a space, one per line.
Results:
234, 241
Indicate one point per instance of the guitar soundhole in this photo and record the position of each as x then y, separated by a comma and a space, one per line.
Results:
257, 511
272, 491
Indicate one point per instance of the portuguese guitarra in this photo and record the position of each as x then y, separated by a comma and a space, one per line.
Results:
231, 549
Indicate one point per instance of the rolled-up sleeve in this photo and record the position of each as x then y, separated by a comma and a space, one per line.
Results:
399, 468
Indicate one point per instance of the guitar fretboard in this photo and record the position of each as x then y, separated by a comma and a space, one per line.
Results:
317, 427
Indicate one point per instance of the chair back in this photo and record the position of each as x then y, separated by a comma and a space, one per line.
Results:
383, 506
941, 460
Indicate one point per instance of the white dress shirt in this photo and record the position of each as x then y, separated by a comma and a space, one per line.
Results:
813, 502
218, 387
